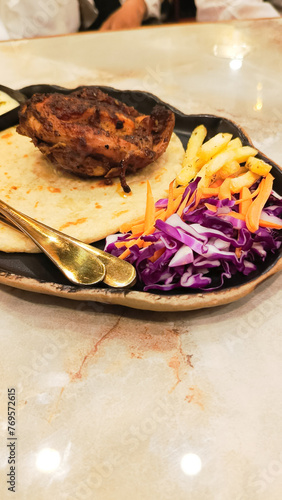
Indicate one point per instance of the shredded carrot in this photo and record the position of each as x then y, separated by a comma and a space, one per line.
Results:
157, 254
173, 207
183, 205
120, 244
126, 227
124, 254
238, 252
162, 216
191, 200
134, 241
138, 241
233, 214
246, 200
252, 195
178, 190
199, 195
216, 184
208, 191
170, 197
159, 212
256, 192
210, 207
176, 204
272, 225
262, 223
128, 244
136, 235
255, 209
138, 228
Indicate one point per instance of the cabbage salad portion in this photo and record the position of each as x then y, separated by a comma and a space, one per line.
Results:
221, 217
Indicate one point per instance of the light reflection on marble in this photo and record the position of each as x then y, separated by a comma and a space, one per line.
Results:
124, 404
191, 464
48, 460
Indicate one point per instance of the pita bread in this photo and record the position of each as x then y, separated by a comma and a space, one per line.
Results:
87, 209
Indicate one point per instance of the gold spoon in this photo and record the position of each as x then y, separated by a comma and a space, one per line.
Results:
80, 263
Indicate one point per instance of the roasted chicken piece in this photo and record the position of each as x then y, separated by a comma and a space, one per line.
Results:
90, 133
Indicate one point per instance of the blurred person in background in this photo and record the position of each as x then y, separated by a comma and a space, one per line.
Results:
31, 18
125, 13
220, 10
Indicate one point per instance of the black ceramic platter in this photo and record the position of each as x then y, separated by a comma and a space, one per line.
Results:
34, 272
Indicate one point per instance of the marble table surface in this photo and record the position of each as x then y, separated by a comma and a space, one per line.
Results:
114, 403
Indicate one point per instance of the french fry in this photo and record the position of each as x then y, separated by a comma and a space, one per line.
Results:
258, 166
239, 154
187, 173
219, 159
242, 154
195, 142
242, 170
191, 164
214, 146
205, 180
244, 180
216, 163
229, 169
234, 143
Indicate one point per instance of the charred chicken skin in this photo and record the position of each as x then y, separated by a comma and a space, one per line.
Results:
91, 134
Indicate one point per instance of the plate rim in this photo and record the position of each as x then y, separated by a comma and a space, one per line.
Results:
136, 299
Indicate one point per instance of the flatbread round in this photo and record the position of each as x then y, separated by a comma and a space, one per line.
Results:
87, 209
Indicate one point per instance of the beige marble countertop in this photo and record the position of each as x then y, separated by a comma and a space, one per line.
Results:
114, 403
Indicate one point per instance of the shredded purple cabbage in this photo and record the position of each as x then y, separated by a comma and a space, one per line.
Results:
199, 250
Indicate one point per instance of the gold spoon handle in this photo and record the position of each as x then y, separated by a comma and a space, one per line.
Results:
81, 263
